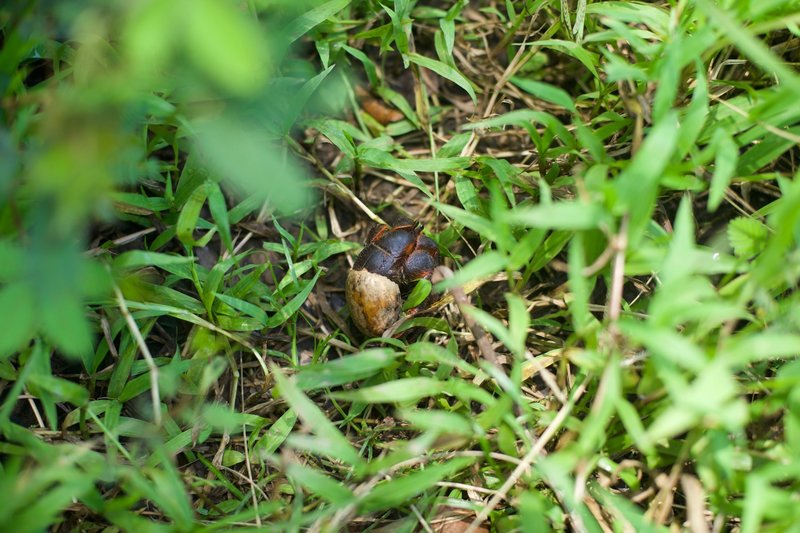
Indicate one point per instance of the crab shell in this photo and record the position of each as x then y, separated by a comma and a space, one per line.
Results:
401, 253
374, 301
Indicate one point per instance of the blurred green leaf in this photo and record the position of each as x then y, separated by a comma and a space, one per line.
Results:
62, 389
327, 436
637, 186
65, 323
439, 422
252, 163
396, 491
18, 317
724, 168
748, 236
225, 45
561, 215
320, 484
400, 390
142, 258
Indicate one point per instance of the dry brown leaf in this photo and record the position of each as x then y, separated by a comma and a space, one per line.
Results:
380, 111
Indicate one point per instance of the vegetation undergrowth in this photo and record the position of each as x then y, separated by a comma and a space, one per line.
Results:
184, 186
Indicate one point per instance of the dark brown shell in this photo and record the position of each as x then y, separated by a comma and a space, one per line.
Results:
401, 253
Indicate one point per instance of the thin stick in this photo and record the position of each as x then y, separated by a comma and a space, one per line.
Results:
247, 454
618, 272
421, 519
35, 410
151, 364
529, 458
481, 337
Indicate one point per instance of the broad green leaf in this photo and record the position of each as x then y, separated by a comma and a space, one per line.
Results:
300, 100
676, 268
632, 421
587, 58
468, 195
305, 22
746, 349
594, 427
477, 223
579, 286
187, 220
285, 312
769, 266
696, 113
219, 212
318, 483
547, 92
710, 396
653, 16
397, 491
214, 280
248, 308
141, 201
276, 434
418, 294
344, 370
485, 265
167, 491
369, 67
433, 353
445, 71
624, 510
340, 133
766, 151
381, 159
143, 258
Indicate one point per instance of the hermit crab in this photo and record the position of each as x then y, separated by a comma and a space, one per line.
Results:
394, 258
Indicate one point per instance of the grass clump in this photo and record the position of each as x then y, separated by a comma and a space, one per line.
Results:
613, 185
